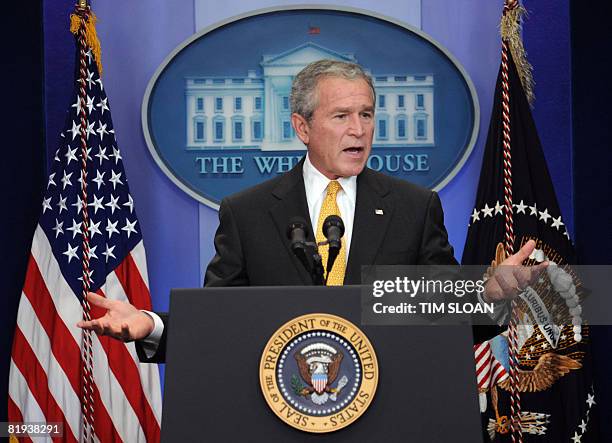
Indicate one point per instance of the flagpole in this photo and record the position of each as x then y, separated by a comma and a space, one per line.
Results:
82, 13
515, 396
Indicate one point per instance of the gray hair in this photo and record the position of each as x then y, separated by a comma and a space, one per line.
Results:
304, 88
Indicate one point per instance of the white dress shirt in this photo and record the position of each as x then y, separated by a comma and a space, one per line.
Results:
315, 184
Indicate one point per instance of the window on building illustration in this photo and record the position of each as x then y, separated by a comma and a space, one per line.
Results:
421, 128
258, 103
382, 129
219, 104
200, 133
286, 129
401, 127
401, 101
237, 104
420, 101
400, 78
381, 101
218, 81
285, 103
200, 104
238, 129
219, 127
257, 130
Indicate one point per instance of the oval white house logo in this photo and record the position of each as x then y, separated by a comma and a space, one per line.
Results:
216, 114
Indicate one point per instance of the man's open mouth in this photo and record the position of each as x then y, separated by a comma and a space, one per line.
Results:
353, 149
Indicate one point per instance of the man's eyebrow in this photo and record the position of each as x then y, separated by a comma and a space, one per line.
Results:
348, 110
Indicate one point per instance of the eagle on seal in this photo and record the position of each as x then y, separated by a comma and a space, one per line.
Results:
318, 364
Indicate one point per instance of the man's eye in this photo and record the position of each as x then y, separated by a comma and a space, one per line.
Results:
340, 116
366, 115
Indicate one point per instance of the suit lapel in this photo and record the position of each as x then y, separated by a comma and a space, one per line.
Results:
291, 196
373, 211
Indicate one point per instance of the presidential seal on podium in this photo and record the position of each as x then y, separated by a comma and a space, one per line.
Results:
318, 373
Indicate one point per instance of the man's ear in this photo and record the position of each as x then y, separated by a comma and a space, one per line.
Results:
301, 127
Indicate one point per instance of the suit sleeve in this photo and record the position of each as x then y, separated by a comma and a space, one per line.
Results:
160, 355
435, 248
227, 268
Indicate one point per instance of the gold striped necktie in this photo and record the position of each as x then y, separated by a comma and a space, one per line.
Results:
330, 207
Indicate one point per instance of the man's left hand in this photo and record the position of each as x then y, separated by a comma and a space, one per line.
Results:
511, 277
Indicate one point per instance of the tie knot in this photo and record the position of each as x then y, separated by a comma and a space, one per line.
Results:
333, 187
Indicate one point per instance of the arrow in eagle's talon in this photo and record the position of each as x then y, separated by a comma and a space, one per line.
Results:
341, 384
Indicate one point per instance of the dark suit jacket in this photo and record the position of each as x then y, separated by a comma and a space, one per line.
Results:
252, 248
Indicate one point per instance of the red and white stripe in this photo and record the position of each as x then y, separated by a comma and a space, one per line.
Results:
489, 371
45, 381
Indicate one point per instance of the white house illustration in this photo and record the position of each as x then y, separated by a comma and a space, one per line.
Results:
253, 112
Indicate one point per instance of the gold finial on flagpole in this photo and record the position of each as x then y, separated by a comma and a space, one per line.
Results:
82, 3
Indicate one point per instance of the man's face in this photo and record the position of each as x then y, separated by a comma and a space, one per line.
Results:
339, 135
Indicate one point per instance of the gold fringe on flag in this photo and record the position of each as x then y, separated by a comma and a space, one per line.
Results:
91, 37
511, 27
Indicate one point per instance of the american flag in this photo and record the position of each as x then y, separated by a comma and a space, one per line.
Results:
46, 378
489, 371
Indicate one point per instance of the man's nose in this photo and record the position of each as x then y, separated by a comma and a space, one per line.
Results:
356, 128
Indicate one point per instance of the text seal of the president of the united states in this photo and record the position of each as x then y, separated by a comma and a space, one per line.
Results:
318, 373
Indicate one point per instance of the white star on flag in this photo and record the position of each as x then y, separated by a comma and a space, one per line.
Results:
130, 203
117, 154
78, 204
102, 130
113, 203
46, 204
129, 227
109, 252
75, 130
75, 228
590, 400
62, 204
520, 208
98, 203
58, 228
115, 179
498, 208
94, 229
544, 215
111, 228
99, 180
71, 252
557, 223
488, 212
90, 130
101, 154
475, 215
103, 106
90, 104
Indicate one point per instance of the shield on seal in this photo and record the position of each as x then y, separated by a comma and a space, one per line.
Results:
319, 382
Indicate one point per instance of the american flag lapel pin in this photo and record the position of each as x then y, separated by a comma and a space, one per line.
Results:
379, 212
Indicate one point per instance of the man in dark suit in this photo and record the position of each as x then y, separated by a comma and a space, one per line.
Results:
388, 221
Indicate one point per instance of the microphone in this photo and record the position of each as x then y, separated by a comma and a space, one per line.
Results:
297, 232
333, 230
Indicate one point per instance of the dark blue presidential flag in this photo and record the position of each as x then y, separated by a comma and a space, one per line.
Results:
515, 203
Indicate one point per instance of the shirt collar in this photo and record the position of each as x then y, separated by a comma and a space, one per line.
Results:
316, 183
